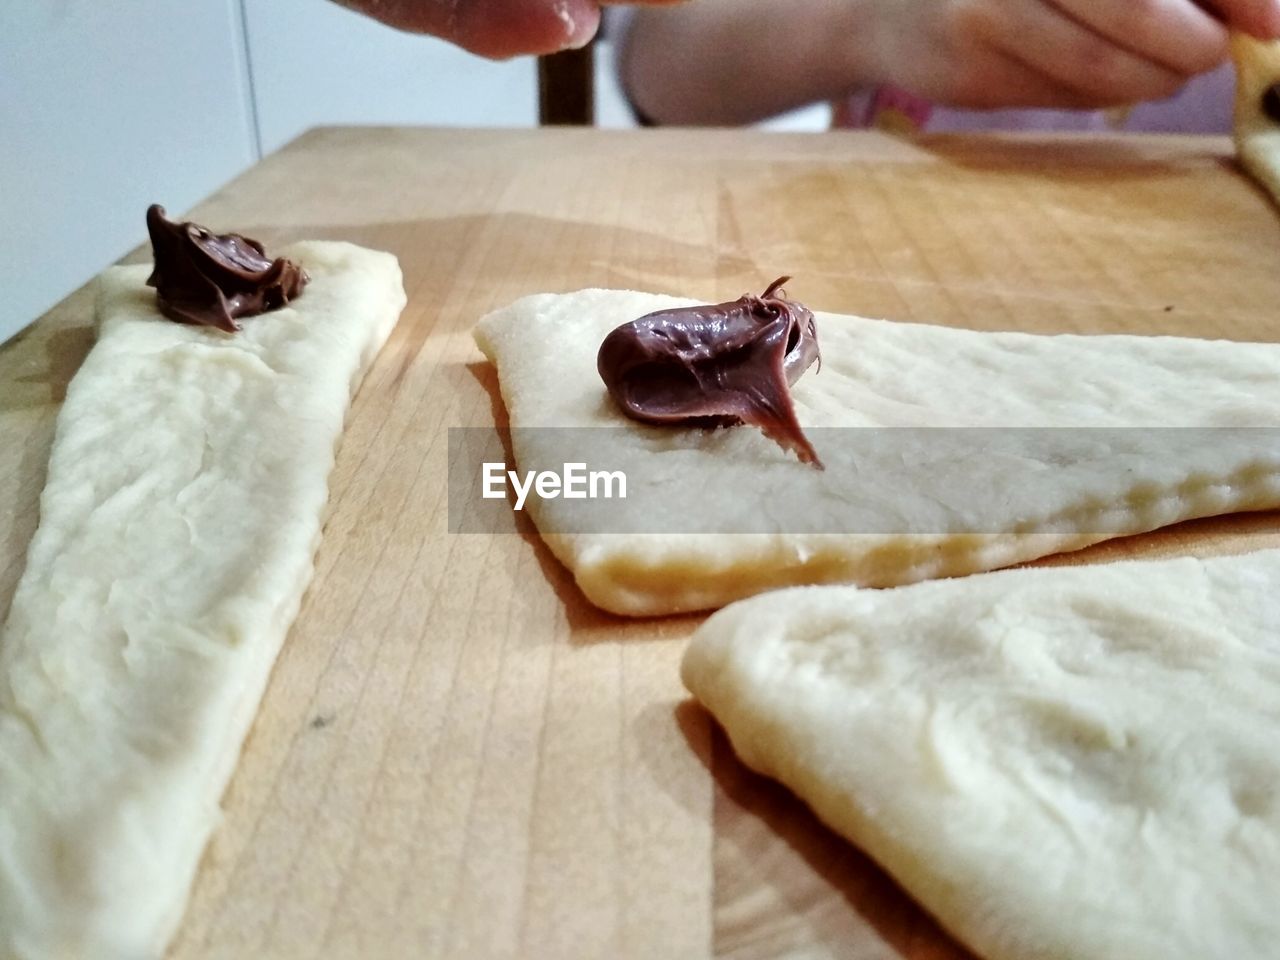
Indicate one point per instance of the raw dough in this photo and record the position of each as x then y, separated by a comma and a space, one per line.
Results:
892, 507
1061, 764
1257, 136
177, 529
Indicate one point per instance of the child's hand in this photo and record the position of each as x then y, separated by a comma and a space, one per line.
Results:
735, 61
492, 28
1050, 53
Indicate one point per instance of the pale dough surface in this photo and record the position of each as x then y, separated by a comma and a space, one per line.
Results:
959, 509
1257, 136
1072, 763
178, 524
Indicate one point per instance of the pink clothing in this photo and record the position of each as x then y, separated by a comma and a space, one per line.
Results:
1202, 106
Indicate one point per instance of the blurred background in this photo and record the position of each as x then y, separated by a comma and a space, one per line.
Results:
109, 105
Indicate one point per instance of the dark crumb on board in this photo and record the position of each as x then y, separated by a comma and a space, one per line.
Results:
321, 720
1168, 309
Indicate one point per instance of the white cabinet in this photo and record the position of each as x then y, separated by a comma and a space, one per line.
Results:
106, 107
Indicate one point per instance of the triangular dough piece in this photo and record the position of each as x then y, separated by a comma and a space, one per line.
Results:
182, 509
1257, 135
1071, 763
714, 516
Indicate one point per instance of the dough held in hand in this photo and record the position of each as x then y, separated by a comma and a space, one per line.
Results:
181, 512
1019, 446
1257, 109
1063, 764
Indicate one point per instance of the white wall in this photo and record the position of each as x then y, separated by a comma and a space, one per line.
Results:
317, 63
106, 107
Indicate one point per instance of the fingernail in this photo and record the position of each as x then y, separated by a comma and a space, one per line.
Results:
579, 30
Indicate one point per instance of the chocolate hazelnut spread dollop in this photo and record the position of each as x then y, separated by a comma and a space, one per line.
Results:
205, 278
716, 365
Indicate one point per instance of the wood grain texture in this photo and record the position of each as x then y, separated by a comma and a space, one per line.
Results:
457, 757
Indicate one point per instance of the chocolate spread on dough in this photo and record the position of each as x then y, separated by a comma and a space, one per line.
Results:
716, 365
1271, 102
203, 278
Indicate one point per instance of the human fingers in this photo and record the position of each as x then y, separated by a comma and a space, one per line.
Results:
1260, 18
1178, 34
491, 28
995, 80
1040, 36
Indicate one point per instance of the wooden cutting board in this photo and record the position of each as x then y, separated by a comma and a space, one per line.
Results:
457, 757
